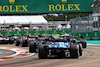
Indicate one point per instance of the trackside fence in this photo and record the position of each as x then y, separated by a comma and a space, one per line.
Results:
88, 27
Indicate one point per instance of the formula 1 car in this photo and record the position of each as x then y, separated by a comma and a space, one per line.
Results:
64, 46
33, 46
20, 40
24, 41
74, 39
6, 40
60, 48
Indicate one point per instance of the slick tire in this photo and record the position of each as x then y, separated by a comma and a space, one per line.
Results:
17, 42
74, 51
84, 44
32, 47
42, 53
80, 49
24, 44
11, 41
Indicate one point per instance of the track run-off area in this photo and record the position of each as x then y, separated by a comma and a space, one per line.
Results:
90, 58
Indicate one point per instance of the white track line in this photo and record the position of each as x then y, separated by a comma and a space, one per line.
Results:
93, 44
19, 53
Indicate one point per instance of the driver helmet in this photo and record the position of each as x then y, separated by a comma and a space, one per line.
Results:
60, 38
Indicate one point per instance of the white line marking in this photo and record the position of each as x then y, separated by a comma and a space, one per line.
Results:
93, 44
23, 51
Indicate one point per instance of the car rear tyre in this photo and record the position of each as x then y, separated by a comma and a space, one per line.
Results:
24, 44
42, 53
74, 51
32, 47
17, 42
11, 41
80, 49
84, 44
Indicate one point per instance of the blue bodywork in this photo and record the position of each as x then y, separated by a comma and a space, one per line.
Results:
58, 45
40, 42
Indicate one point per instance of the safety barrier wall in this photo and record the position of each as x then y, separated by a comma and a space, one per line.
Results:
88, 35
53, 32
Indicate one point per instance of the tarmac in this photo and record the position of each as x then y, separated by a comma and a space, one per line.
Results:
90, 58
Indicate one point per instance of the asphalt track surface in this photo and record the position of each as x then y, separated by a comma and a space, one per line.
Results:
6, 53
90, 58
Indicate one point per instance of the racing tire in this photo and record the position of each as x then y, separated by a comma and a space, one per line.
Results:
84, 44
32, 47
80, 49
42, 51
17, 42
11, 41
74, 51
24, 43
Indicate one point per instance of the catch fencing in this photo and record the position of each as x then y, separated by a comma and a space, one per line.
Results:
88, 27
85, 24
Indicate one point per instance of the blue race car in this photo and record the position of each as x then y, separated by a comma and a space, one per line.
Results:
60, 48
74, 39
